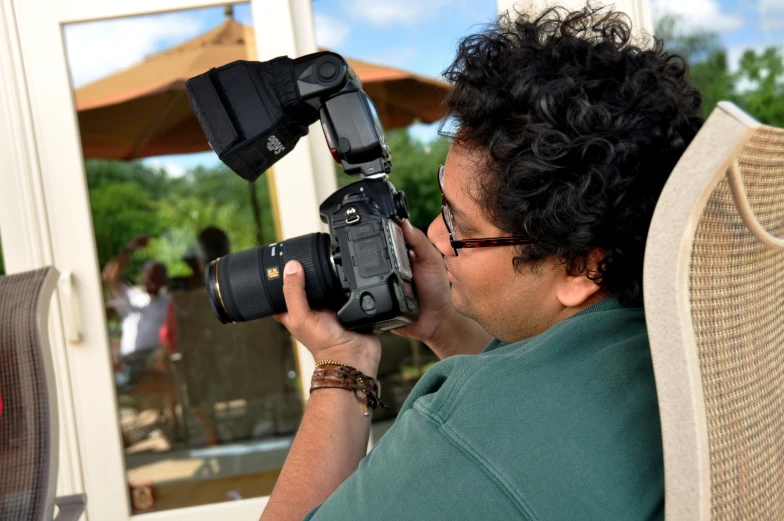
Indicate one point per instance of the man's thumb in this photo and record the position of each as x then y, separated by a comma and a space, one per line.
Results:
294, 288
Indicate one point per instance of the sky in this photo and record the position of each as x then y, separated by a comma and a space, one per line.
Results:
416, 35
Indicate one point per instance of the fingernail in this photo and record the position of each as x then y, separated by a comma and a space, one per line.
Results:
292, 267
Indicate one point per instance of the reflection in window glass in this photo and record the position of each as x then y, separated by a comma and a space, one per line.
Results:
207, 411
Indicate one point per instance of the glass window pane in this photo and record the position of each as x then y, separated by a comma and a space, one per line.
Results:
207, 411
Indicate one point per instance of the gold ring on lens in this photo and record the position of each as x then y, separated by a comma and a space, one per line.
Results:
217, 285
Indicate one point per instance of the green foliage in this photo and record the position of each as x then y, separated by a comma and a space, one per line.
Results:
414, 169
130, 199
122, 211
757, 85
762, 75
101, 172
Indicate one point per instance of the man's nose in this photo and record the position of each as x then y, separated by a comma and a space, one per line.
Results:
439, 236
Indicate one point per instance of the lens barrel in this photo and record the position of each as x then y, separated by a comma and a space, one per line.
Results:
248, 284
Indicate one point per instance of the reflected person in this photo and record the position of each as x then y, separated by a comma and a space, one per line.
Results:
142, 309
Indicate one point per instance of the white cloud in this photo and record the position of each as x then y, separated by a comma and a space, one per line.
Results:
699, 14
330, 32
97, 49
389, 13
771, 13
172, 167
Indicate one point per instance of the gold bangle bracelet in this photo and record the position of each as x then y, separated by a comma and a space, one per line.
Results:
331, 362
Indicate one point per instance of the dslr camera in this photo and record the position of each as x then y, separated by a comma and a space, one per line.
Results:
253, 114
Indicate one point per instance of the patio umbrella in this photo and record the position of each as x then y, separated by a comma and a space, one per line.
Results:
144, 111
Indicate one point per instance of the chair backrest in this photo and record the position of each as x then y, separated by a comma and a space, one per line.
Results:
714, 301
28, 422
224, 362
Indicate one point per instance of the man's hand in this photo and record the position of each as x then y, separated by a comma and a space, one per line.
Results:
432, 286
440, 326
138, 242
319, 330
333, 435
112, 273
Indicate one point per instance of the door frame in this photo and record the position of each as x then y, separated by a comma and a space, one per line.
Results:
46, 219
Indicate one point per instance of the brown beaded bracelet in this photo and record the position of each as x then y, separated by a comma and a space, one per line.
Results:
334, 375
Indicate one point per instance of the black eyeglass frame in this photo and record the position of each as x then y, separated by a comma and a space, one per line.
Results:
484, 242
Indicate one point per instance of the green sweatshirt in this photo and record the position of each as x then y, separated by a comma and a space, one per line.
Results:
560, 427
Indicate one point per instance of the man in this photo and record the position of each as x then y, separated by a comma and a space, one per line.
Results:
142, 310
211, 243
544, 405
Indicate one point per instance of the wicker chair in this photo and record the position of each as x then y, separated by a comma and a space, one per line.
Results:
28, 416
714, 299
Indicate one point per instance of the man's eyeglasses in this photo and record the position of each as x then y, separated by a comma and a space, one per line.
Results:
456, 244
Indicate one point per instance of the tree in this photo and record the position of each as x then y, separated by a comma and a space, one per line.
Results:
414, 171
130, 199
762, 75
223, 187
101, 172
120, 212
757, 85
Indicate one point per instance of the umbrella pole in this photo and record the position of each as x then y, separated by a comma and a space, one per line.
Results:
254, 204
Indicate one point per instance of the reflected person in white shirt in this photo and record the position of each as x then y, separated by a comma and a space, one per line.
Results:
143, 311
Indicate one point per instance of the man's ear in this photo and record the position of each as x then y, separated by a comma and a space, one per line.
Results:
574, 291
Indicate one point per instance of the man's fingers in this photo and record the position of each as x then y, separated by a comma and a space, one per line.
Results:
294, 292
422, 247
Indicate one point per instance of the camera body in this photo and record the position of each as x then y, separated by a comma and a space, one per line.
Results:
253, 114
370, 255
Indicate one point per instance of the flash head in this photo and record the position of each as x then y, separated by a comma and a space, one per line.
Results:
254, 113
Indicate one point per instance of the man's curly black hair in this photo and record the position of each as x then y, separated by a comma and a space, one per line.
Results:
580, 127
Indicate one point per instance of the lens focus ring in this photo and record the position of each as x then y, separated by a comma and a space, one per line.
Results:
248, 291
248, 284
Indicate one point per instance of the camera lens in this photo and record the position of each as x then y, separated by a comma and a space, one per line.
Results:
248, 284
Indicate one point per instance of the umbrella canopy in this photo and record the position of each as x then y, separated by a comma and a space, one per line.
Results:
144, 111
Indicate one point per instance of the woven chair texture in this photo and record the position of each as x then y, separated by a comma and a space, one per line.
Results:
736, 287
